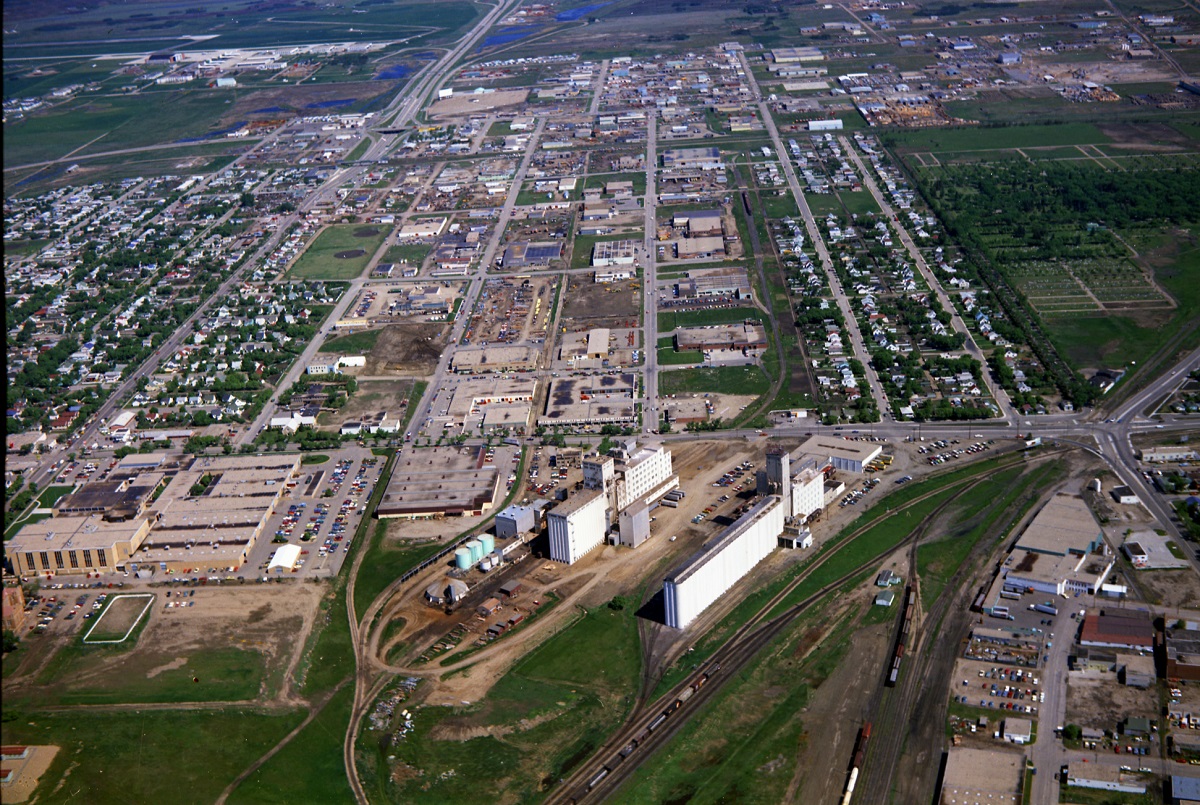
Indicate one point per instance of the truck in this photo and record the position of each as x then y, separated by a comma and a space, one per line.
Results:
1045, 609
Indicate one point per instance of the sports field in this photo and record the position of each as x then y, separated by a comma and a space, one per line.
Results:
340, 252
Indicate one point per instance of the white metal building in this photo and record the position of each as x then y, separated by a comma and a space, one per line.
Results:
577, 526
286, 558
706, 575
802, 488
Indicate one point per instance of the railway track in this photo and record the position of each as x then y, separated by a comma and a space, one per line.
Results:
921, 686
652, 725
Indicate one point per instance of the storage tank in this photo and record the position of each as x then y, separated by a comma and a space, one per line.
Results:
486, 564
462, 558
476, 548
488, 542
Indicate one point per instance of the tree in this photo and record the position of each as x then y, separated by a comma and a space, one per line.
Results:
1072, 732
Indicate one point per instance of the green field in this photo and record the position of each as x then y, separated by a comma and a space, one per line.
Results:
988, 139
716, 379
119, 757
353, 344
320, 261
667, 356
669, 320
560, 703
113, 122
412, 253
310, 767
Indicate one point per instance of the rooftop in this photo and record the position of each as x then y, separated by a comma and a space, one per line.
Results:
1064, 525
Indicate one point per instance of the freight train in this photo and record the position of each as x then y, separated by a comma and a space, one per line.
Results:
902, 637
860, 750
641, 738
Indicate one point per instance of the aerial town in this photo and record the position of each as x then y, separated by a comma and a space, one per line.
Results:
578, 402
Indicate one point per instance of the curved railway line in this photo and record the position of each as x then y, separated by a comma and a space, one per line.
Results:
652, 725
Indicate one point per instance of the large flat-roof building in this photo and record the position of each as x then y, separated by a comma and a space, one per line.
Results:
577, 526
1061, 552
746, 336
843, 454
982, 775
207, 517
795, 55
493, 402
613, 253
707, 574
440, 482
1183, 652
479, 360
590, 400
1117, 628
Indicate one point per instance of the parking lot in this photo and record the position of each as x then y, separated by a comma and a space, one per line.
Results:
320, 515
999, 687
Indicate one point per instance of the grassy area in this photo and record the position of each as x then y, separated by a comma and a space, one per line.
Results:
320, 260
718, 379
744, 745
359, 150
353, 344
215, 674
314, 458
411, 253
112, 122
386, 563
973, 139
563, 703
310, 767
118, 757
667, 356
669, 320
1003, 499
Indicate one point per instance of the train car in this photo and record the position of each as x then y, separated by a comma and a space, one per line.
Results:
595, 781
656, 723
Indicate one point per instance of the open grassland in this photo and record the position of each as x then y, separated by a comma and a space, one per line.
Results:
107, 123
310, 767
340, 252
553, 709
118, 757
353, 344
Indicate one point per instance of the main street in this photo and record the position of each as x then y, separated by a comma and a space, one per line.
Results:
650, 414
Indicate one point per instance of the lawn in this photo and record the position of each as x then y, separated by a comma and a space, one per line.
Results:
411, 253
357, 243
667, 356
119, 757
353, 344
310, 767
717, 379
217, 674
669, 320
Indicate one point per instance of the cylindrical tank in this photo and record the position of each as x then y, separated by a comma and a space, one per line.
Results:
486, 564
476, 548
488, 542
462, 558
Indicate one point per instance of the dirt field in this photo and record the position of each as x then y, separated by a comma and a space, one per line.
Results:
1097, 700
374, 396
121, 613
471, 104
836, 717
584, 299
269, 621
1176, 589
29, 771
407, 348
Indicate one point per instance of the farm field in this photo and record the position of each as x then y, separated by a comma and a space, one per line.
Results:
341, 251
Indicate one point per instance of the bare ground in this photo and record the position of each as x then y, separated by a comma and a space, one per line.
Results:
408, 348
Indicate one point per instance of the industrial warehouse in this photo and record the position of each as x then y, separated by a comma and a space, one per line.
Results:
440, 482
208, 514
696, 584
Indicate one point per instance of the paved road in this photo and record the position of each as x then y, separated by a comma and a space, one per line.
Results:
650, 414
814, 237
